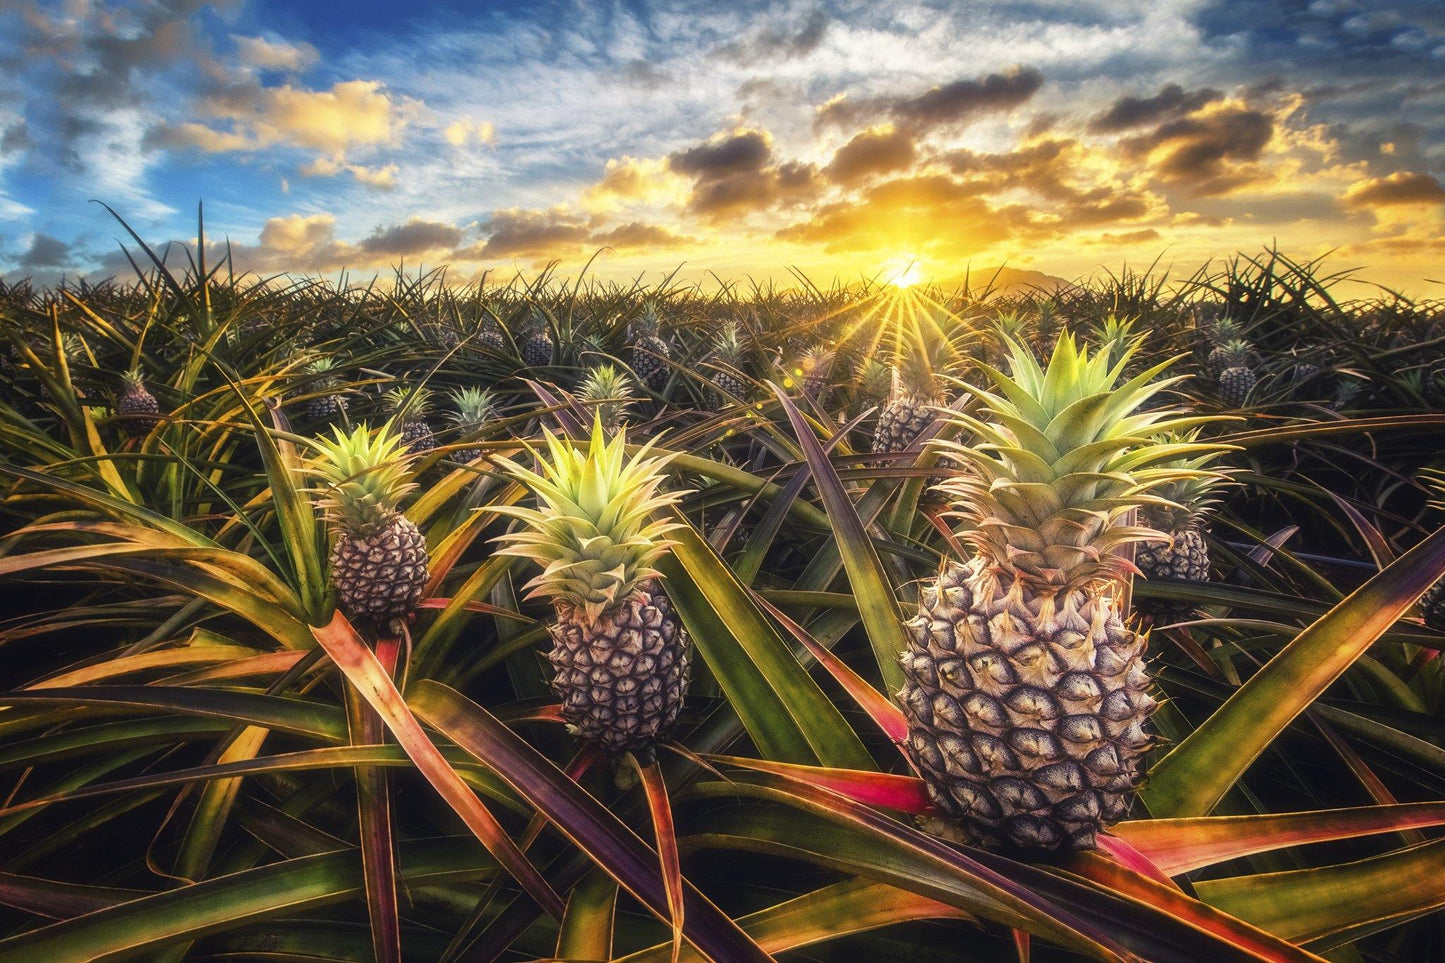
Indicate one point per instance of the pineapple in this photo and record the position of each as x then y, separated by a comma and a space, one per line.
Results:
650, 354
379, 560
491, 338
914, 395
1236, 373
619, 650
327, 403
814, 369
1116, 337
1025, 690
728, 363
475, 407
539, 350
409, 408
873, 380
609, 392
137, 406
1223, 332
1182, 515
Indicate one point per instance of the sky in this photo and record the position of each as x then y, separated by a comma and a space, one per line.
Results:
731, 140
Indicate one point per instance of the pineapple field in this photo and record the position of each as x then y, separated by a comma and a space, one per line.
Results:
578, 620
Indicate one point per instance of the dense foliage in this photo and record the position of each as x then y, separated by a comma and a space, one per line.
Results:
249, 714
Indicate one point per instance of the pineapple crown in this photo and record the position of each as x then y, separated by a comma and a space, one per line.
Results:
475, 406
609, 391
134, 380
364, 477
1184, 500
1063, 456
1116, 335
1010, 326
593, 531
321, 365
729, 345
410, 403
1226, 329
1236, 352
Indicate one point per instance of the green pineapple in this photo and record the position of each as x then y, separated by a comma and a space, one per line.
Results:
609, 392
137, 406
1223, 332
1183, 516
1026, 692
474, 408
619, 650
409, 409
379, 559
917, 390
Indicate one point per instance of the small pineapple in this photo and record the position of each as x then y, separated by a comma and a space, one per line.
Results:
1026, 692
379, 560
539, 350
873, 380
491, 337
1222, 333
619, 650
1236, 375
1182, 514
137, 406
814, 370
609, 392
474, 408
409, 408
328, 403
728, 365
650, 354
910, 409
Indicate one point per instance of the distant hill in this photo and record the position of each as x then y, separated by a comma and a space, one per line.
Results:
1007, 280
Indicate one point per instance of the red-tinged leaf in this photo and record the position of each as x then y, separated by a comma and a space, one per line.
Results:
1372, 783
1261, 554
1122, 852
1179, 846
362, 670
1022, 944
902, 793
1377, 544
579, 817
548, 713
880, 709
1202, 917
654, 787
57, 900
373, 804
480, 607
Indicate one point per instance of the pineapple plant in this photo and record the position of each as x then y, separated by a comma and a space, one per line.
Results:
728, 365
474, 408
491, 337
814, 370
1047, 328
136, 405
619, 650
915, 393
649, 352
1181, 513
607, 391
539, 350
1432, 603
379, 557
1236, 374
409, 409
1221, 333
327, 403
1025, 690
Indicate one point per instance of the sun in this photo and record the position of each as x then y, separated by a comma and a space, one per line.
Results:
903, 271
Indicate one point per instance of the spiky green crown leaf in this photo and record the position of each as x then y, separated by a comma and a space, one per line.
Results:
413, 403
593, 532
1116, 336
1226, 329
364, 477
1061, 457
475, 406
1195, 492
729, 346
609, 391
134, 380
1010, 326
1235, 353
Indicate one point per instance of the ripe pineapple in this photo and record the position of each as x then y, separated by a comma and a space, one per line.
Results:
650, 353
619, 650
137, 406
379, 560
1236, 374
914, 395
539, 350
1026, 691
729, 363
609, 393
409, 408
1183, 516
327, 403
475, 407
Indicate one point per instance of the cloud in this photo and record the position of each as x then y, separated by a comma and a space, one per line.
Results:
637, 235
1171, 101
416, 236
959, 102
459, 132
880, 150
263, 53
46, 252
1399, 188
733, 175
530, 233
1205, 151
725, 155
383, 178
773, 41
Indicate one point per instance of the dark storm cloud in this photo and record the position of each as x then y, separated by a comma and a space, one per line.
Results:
879, 151
739, 153
46, 252
1201, 152
530, 233
1171, 101
1398, 188
414, 237
949, 104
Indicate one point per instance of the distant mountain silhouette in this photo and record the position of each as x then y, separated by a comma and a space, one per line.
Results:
1008, 280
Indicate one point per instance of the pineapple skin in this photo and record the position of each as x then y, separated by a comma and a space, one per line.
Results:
1185, 558
901, 421
1235, 384
648, 362
622, 680
140, 410
380, 576
1432, 606
1026, 714
417, 436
